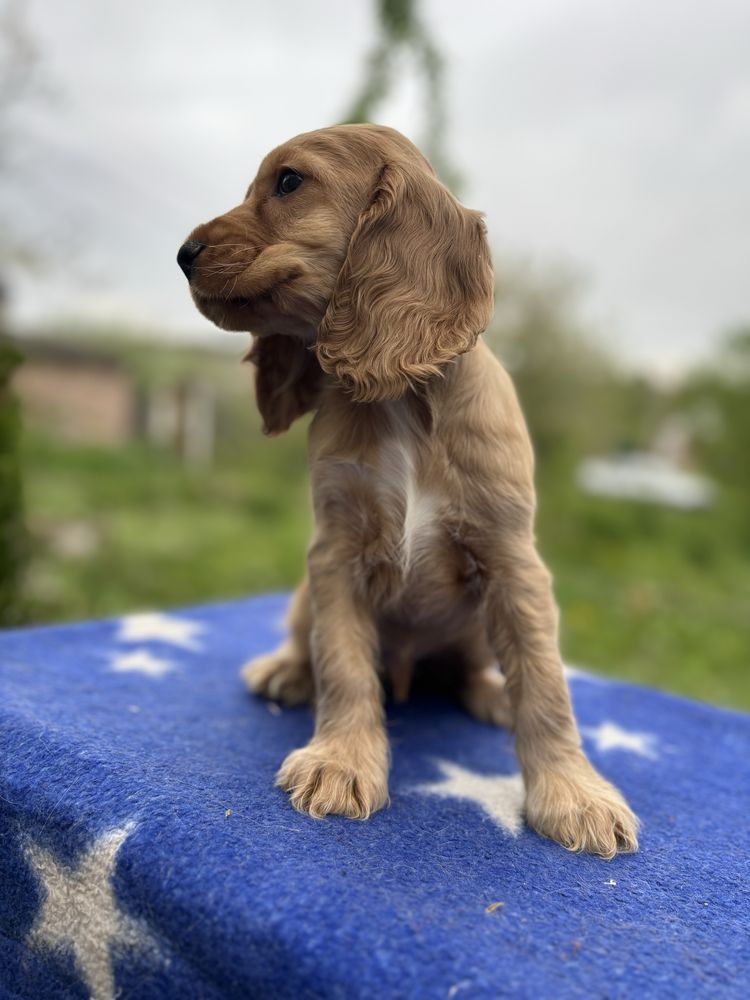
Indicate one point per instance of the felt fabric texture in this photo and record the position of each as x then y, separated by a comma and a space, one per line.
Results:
145, 852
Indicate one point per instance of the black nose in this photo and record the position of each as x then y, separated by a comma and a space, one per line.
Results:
187, 254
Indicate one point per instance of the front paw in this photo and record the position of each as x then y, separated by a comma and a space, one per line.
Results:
330, 776
576, 807
281, 676
485, 697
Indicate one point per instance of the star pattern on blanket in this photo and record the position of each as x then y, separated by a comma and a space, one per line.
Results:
610, 736
154, 626
578, 674
140, 661
80, 911
501, 796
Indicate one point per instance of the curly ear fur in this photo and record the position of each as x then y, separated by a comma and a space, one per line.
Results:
415, 289
287, 380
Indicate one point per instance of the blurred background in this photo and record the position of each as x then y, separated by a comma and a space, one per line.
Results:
608, 145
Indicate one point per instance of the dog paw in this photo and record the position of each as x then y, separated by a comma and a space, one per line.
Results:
280, 676
324, 778
580, 810
486, 698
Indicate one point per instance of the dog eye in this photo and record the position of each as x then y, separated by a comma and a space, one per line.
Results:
289, 180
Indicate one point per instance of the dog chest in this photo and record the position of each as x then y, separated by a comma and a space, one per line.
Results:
404, 499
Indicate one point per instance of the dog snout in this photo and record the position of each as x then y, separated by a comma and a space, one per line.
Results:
187, 255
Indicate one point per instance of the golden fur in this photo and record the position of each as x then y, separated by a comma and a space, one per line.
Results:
366, 289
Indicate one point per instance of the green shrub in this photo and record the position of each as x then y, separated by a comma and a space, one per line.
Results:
11, 525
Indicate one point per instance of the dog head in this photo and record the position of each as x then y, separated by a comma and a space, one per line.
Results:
349, 257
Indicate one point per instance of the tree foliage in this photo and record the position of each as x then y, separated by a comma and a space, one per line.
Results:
716, 400
11, 526
401, 32
17, 61
575, 399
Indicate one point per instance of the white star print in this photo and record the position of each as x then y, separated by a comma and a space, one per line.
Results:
165, 628
80, 912
281, 625
501, 796
577, 674
140, 661
609, 736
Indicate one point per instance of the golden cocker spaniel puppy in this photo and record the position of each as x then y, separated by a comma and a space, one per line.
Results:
366, 286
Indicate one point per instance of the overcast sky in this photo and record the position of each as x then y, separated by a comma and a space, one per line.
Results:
610, 136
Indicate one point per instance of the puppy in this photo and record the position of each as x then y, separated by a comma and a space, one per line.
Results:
366, 286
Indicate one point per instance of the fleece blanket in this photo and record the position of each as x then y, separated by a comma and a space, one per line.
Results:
145, 853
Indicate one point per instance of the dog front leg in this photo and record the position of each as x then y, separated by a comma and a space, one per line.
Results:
566, 799
285, 675
344, 768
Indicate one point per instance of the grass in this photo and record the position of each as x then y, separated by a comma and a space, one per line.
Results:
652, 594
646, 594
118, 530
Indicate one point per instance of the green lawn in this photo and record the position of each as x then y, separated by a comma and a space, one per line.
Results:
158, 534
646, 594
652, 594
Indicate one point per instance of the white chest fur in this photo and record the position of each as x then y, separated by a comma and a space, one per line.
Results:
399, 486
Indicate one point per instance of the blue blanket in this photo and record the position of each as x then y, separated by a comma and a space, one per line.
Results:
146, 853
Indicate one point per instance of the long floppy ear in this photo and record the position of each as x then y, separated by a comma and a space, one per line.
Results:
415, 289
287, 380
